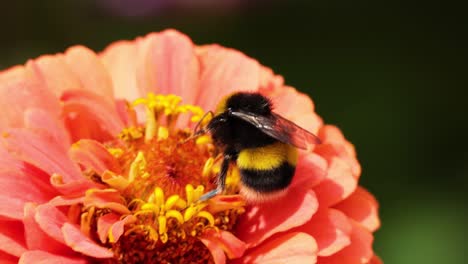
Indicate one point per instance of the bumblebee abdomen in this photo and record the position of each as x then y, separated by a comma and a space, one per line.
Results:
266, 181
269, 168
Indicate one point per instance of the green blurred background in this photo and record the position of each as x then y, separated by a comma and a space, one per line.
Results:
389, 74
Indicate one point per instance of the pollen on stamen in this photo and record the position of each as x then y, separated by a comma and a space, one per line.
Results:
163, 173
172, 222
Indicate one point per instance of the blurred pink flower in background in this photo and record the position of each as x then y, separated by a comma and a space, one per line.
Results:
142, 8
89, 177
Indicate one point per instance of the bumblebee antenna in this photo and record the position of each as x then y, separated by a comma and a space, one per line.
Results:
197, 131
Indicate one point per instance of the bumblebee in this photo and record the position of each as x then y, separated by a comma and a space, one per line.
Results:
260, 142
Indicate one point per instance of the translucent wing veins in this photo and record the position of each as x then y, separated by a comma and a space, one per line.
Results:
280, 128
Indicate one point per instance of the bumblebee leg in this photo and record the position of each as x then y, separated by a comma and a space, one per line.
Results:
221, 180
208, 195
223, 172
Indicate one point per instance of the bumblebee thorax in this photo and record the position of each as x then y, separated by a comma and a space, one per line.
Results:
237, 134
245, 101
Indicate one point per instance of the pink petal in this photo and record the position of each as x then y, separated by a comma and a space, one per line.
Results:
117, 229
50, 220
36, 237
14, 173
290, 248
77, 122
224, 71
42, 152
120, 60
18, 189
362, 207
23, 168
108, 198
7, 258
262, 221
115, 181
80, 243
231, 245
93, 155
167, 65
55, 73
311, 169
98, 115
297, 107
43, 257
359, 251
216, 249
86, 65
12, 237
126, 112
104, 224
41, 122
77, 187
309, 121
331, 229
19, 90
269, 82
225, 202
65, 201
290, 103
334, 145
338, 184
11, 207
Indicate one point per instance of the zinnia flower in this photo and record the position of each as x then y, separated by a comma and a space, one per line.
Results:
95, 165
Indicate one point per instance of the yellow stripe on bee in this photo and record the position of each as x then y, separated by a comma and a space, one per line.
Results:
268, 157
221, 107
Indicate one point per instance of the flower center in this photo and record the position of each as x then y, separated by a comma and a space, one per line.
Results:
160, 176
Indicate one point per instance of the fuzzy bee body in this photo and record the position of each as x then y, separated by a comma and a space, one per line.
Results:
266, 171
261, 143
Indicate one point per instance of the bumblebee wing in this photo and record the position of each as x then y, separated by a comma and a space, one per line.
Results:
281, 129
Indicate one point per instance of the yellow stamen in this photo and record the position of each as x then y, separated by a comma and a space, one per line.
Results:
194, 209
150, 207
86, 221
151, 125
171, 201
162, 224
161, 178
207, 168
158, 196
190, 193
145, 213
202, 140
130, 133
137, 167
208, 216
176, 215
163, 133
180, 204
110, 235
198, 192
189, 213
115, 181
153, 235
